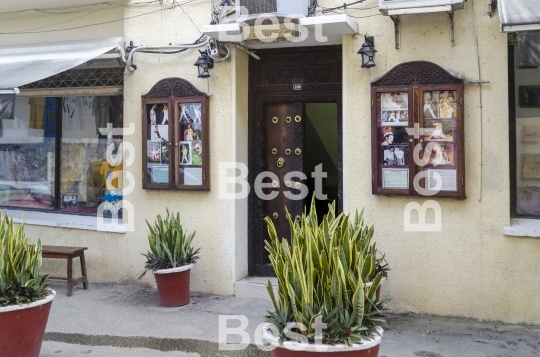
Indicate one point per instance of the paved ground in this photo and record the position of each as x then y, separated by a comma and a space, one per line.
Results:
126, 320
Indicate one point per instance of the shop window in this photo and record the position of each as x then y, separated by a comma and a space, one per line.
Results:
524, 104
417, 132
53, 154
176, 142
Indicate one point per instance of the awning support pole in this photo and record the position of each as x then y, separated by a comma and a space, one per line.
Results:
397, 31
451, 16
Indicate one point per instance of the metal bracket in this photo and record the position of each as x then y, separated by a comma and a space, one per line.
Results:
451, 16
397, 31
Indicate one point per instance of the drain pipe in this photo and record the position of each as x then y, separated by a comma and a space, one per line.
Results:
131, 67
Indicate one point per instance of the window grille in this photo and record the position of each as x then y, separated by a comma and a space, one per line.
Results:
81, 78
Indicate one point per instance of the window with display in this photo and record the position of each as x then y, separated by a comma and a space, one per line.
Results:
53, 154
175, 126
417, 129
524, 126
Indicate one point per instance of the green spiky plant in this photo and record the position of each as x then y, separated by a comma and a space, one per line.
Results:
20, 278
170, 245
322, 271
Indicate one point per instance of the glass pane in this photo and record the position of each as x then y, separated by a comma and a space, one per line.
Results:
393, 140
157, 143
190, 146
91, 162
27, 145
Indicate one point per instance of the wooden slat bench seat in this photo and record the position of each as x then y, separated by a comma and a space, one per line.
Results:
59, 252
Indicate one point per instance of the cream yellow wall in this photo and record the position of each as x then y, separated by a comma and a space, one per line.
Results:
468, 269
89, 22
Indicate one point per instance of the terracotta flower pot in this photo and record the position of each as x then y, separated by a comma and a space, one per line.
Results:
297, 349
173, 285
22, 327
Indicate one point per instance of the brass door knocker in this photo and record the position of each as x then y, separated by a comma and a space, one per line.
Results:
274, 120
287, 151
288, 119
297, 151
280, 162
274, 151
298, 118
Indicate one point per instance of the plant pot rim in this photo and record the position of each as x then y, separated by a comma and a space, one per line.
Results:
383, 280
174, 270
310, 347
40, 302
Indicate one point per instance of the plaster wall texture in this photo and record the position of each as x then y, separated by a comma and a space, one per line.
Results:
468, 269
89, 22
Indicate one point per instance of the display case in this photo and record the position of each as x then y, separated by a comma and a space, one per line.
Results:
418, 132
175, 131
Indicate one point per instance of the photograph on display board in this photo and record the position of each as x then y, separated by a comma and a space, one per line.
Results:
158, 132
439, 154
395, 117
185, 150
153, 152
395, 100
431, 110
191, 132
392, 135
190, 113
438, 130
157, 114
395, 155
197, 154
447, 104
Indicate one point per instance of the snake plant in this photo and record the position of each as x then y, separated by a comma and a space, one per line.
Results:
170, 245
20, 278
321, 271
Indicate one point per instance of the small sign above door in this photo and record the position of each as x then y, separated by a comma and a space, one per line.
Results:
297, 86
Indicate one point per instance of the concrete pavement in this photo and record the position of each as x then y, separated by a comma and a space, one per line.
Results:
126, 320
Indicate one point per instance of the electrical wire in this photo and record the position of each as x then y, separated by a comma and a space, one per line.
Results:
83, 26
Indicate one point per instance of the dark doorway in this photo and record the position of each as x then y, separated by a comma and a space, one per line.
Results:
294, 125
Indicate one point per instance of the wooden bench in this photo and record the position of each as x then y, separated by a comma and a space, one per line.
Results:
58, 252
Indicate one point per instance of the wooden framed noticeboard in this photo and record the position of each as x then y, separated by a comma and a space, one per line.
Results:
418, 132
175, 137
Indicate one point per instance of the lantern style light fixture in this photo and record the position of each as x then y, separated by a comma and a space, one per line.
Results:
204, 63
368, 52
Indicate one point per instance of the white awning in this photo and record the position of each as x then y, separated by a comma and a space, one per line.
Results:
20, 65
313, 31
519, 15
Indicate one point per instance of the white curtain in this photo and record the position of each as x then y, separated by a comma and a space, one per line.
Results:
20, 65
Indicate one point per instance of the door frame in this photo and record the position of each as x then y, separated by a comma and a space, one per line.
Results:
323, 84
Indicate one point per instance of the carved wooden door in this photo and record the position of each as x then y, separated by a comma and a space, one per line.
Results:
284, 153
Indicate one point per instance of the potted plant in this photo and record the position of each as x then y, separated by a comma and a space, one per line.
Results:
324, 307
170, 258
25, 297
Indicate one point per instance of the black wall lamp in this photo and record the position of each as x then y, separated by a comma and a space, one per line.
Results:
204, 63
368, 52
